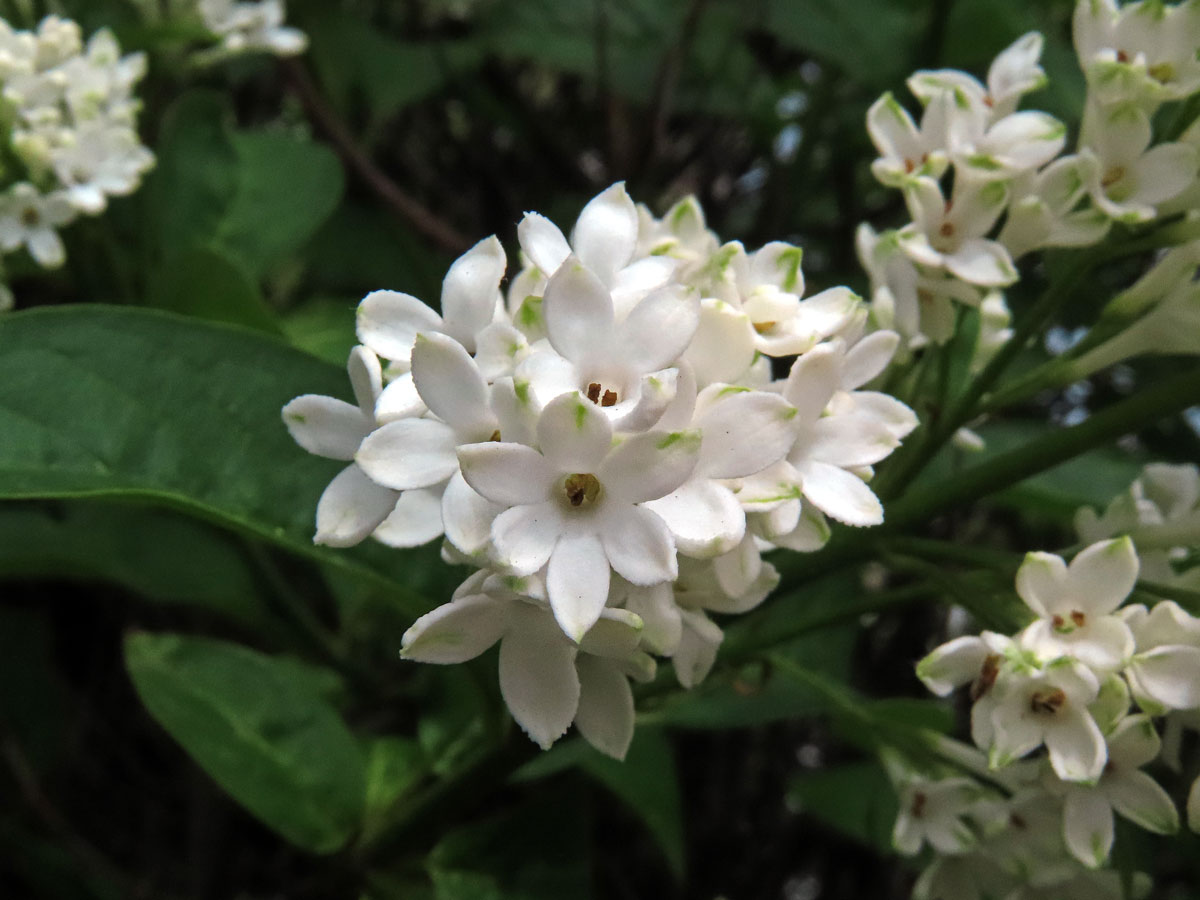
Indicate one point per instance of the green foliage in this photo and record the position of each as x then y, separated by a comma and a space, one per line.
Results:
855, 799
107, 402
264, 734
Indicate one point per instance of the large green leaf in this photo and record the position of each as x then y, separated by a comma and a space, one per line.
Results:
155, 553
266, 736
204, 282
257, 196
103, 401
856, 799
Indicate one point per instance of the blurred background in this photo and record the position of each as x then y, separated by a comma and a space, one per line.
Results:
285, 191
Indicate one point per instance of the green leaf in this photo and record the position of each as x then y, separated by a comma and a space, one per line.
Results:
855, 799
285, 190
276, 746
157, 554
394, 765
100, 401
205, 283
256, 196
323, 327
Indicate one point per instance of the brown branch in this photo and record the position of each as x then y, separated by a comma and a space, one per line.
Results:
356, 157
666, 81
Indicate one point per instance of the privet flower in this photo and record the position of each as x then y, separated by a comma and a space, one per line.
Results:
606, 444
73, 137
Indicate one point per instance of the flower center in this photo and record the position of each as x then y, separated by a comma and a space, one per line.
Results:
1112, 176
30, 217
581, 488
918, 804
601, 396
1065, 626
1047, 701
1161, 72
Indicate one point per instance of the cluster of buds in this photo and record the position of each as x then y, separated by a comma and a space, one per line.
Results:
1010, 188
1088, 679
608, 444
71, 117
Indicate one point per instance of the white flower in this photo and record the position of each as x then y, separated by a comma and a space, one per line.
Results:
1144, 51
1075, 604
31, 219
389, 321
952, 235
906, 151
1048, 706
247, 26
576, 505
1129, 178
604, 239
626, 366
1123, 788
1013, 73
742, 432
547, 681
1044, 210
932, 811
1164, 673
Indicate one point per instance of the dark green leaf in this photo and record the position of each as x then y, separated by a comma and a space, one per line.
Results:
393, 766
112, 402
154, 553
276, 746
205, 283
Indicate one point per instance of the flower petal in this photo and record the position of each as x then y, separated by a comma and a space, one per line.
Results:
326, 427
1041, 582
456, 631
524, 537
399, 400
416, 519
982, 262
649, 465
840, 495
506, 473
953, 664
450, 384
577, 582
470, 290
574, 434
1088, 826
1167, 675
409, 453
639, 546
578, 312
868, 358
351, 507
851, 440
744, 432
1141, 800
537, 676
1076, 746
605, 714
606, 232
697, 650
704, 517
659, 329
722, 348
1101, 576
388, 323
366, 377
543, 243
812, 382
466, 516
661, 625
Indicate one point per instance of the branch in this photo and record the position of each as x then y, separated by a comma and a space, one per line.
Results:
355, 156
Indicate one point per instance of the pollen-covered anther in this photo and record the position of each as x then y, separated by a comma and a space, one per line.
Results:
581, 488
1048, 701
987, 676
600, 395
918, 804
1078, 618
764, 327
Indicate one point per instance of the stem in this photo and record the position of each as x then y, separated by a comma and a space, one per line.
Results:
357, 158
1188, 599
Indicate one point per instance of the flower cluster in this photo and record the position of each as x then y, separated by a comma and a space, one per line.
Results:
986, 184
71, 117
1069, 682
608, 444
247, 27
